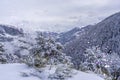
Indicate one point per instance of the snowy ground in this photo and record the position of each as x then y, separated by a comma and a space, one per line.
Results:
85, 76
14, 72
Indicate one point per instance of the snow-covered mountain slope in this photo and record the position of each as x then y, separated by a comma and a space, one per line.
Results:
105, 35
7, 33
17, 72
20, 45
71, 35
16, 41
68, 36
11, 30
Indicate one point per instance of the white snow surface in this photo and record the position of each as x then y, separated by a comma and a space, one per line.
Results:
14, 72
85, 76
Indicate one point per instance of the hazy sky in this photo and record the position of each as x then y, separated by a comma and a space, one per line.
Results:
56, 15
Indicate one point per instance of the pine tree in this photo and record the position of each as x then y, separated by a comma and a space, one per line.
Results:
46, 52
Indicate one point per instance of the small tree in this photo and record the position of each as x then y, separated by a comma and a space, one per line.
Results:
2, 55
1, 49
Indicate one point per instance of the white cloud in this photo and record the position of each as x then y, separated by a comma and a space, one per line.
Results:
57, 12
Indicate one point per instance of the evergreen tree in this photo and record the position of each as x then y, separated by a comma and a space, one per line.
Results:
46, 52
3, 58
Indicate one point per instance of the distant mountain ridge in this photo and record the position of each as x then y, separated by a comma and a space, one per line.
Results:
68, 36
10, 30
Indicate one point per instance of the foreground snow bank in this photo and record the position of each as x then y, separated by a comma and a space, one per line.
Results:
14, 72
85, 76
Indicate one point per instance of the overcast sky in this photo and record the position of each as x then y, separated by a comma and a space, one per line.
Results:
56, 15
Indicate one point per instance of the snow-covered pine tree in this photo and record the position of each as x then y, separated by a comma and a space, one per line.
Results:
102, 63
2, 55
46, 52
1, 49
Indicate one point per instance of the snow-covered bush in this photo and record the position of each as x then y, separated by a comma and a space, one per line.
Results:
62, 72
107, 65
6, 57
